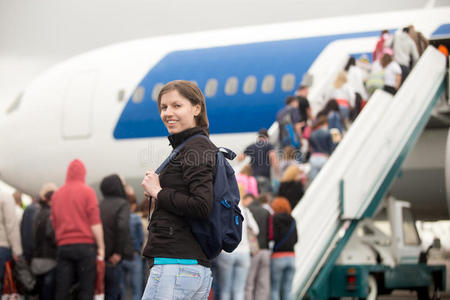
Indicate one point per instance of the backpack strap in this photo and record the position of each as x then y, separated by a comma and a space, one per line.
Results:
284, 239
227, 153
270, 225
166, 162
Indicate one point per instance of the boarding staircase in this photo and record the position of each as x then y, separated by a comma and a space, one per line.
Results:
360, 171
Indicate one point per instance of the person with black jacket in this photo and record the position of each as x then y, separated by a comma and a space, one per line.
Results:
179, 269
115, 216
283, 255
43, 261
291, 186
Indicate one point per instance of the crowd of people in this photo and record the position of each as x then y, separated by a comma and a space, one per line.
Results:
314, 137
63, 233
263, 265
278, 174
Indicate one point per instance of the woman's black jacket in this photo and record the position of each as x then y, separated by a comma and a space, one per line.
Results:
44, 241
282, 223
187, 192
291, 190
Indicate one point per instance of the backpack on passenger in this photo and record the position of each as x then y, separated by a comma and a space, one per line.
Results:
287, 135
222, 230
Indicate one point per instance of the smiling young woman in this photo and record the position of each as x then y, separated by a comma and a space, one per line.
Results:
179, 269
182, 106
177, 113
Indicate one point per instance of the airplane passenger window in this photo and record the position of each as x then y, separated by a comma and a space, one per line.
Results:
138, 94
156, 89
15, 104
268, 84
231, 86
288, 82
211, 88
250, 85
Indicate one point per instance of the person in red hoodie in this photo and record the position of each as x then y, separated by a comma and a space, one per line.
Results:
78, 232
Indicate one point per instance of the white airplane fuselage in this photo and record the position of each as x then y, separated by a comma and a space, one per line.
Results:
100, 106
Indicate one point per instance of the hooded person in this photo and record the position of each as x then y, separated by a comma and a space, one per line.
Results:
115, 216
78, 231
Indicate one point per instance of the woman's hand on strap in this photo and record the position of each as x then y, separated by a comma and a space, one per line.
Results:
150, 183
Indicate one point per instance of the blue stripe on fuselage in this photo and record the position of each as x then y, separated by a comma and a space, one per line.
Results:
442, 30
227, 114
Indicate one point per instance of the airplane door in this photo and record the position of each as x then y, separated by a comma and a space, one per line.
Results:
78, 105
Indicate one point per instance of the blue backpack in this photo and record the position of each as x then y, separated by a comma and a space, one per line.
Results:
287, 135
222, 230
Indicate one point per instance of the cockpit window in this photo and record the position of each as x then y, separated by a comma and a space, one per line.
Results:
121, 95
138, 94
15, 104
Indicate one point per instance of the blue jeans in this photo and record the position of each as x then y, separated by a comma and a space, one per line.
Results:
5, 255
215, 283
317, 162
46, 285
233, 270
345, 112
282, 274
113, 281
178, 282
133, 271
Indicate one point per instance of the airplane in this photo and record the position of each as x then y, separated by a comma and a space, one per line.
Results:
100, 106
